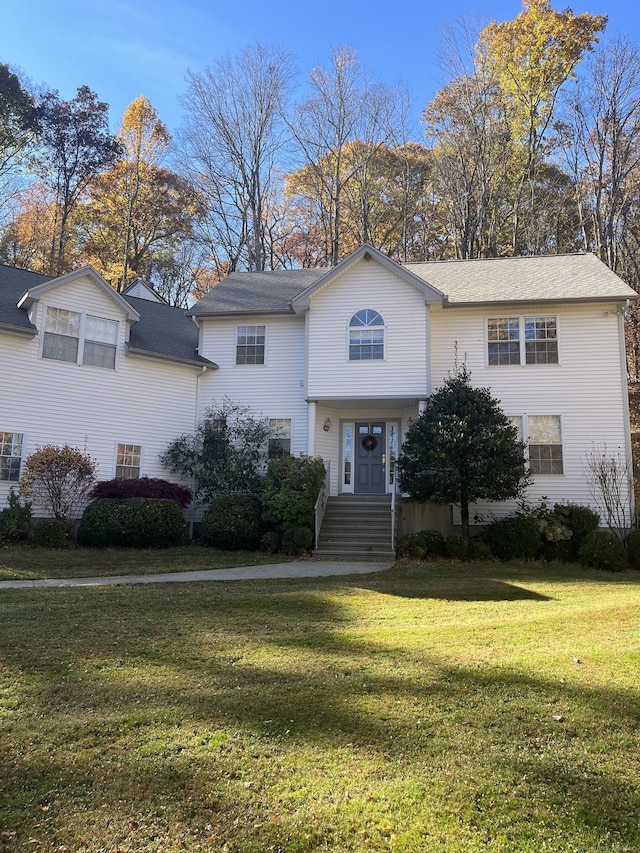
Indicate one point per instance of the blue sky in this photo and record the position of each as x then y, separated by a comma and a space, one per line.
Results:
122, 49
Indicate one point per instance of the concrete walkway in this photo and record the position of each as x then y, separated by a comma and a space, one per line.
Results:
301, 569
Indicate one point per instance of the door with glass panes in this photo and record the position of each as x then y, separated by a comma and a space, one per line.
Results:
369, 452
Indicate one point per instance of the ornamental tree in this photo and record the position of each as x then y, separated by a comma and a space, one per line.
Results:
462, 449
226, 455
58, 479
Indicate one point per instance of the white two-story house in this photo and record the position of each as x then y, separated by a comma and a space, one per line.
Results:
339, 360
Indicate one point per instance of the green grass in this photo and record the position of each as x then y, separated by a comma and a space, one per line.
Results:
436, 707
25, 563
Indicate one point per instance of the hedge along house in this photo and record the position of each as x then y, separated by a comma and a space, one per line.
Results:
339, 360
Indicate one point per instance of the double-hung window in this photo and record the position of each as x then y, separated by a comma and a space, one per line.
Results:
543, 436
528, 339
10, 455
61, 335
100, 342
545, 444
279, 437
366, 336
250, 344
128, 461
80, 338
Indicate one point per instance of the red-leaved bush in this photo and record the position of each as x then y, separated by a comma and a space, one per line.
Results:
144, 487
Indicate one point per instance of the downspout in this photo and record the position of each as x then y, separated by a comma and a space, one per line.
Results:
625, 401
196, 417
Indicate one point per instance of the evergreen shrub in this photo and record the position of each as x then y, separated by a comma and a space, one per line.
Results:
132, 523
632, 544
516, 537
291, 489
421, 545
233, 523
478, 550
604, 551
15, 520
270, 542
50, 533
456, 547
581, 520
296, 540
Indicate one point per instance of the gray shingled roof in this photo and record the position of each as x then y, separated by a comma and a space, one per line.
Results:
162, 330
256, 292
483, 281
13, 283
524, 279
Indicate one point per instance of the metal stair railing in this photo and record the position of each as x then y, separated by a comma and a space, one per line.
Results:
321, 502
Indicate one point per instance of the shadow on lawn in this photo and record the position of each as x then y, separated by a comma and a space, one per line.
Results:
291, 668
483, 581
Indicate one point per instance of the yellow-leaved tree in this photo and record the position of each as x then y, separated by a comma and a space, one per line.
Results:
137, 210
531, 57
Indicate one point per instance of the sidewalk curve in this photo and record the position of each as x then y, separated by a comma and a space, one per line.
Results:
299, 569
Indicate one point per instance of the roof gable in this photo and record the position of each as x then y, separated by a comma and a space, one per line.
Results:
143, 290
366, 254
33, 294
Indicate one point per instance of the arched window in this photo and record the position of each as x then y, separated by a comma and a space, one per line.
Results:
366, 336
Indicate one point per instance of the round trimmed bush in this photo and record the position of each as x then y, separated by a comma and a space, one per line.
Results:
516, 537
50, 533
633, 548
297, 540
457, 547
233, 523
433, 542
604, 551
411, 547
421, 545
270, 542
478, 551
132, 523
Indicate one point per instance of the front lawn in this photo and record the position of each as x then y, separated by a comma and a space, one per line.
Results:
435, 707
26, 563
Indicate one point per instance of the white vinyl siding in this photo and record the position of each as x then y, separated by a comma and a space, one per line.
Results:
586, 390
404, 369
144, 401
275, 389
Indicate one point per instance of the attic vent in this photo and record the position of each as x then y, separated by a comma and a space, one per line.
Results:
366, 256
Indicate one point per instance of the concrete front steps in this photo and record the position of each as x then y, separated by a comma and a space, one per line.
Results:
356, 527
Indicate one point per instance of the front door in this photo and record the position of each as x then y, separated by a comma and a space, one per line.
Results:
370, 459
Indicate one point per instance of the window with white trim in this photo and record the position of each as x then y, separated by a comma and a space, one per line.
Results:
544, 433
128, 461
79, 338
279, 437
366, 336
10, 455
250, 344
527, 339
